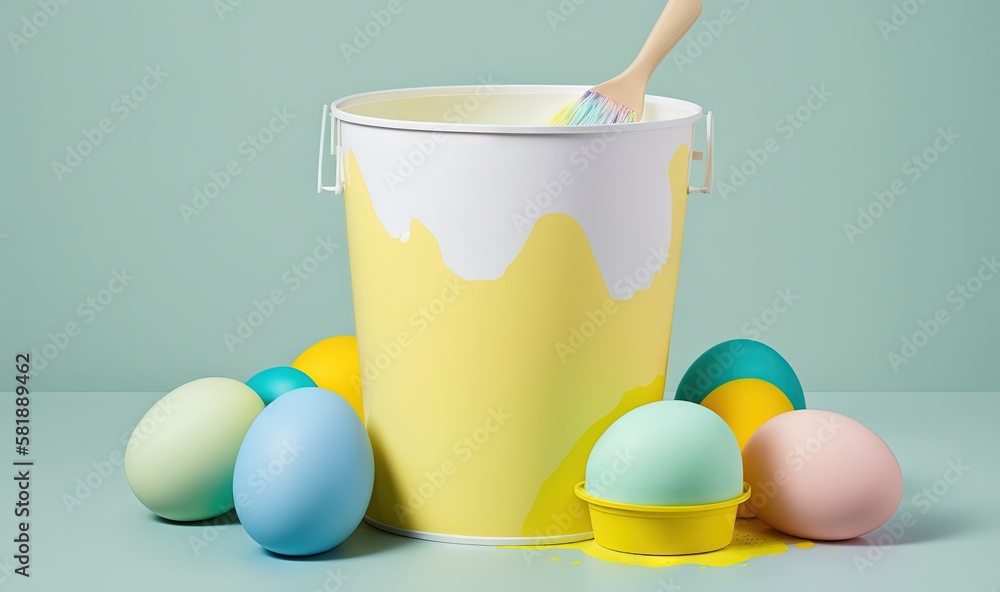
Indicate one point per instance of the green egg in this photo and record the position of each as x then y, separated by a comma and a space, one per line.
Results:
180, 459
666, 453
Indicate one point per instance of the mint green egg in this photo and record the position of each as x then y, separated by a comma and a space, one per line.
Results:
180, 459
666, 453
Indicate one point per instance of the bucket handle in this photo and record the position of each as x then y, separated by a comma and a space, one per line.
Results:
335, 149
709, 157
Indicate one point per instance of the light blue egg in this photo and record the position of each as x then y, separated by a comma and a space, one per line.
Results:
666, 453
272, 383
304, 473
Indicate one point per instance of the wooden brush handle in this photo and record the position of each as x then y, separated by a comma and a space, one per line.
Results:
677, 17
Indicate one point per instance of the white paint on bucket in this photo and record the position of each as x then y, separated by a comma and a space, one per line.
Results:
421, 172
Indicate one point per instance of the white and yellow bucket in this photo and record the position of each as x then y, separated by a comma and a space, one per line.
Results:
513, 294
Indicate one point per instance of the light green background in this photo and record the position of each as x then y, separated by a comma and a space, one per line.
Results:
60, 241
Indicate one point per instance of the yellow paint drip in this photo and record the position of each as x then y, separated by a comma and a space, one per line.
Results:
552, 514
752, 539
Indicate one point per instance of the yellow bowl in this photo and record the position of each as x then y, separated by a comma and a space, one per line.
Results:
662, 530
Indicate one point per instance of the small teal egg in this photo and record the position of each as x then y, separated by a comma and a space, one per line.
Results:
274, 382
304, 473
666, 453
736, 359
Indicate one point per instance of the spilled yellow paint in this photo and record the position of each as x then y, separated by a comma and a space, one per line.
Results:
752, 539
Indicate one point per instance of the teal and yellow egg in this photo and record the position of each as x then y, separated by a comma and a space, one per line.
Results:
745, 382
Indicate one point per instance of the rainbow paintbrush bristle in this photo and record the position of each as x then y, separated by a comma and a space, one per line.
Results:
593, 108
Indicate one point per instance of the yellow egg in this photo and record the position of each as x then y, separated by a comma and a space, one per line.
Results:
745, 404
333, 364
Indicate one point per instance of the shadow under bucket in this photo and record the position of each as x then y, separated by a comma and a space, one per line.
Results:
513, 292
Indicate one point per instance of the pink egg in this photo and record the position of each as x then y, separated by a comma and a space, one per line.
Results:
820, 475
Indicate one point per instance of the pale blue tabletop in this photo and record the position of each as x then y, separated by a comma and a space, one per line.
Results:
110, 542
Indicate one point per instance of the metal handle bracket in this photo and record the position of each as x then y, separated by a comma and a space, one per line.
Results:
335, 149
709, 157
